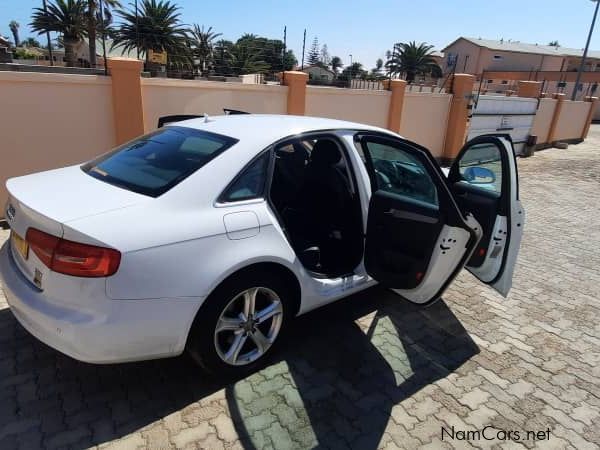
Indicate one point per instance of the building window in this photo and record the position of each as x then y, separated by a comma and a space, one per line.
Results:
451, 61
498, 57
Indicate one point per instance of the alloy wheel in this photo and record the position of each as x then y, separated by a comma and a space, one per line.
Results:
248, 326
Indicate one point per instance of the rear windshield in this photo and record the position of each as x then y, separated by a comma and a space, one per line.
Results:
154, 163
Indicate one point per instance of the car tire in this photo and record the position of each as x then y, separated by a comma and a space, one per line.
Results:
209, 348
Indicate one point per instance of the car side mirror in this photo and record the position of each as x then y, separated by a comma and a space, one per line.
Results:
479, 175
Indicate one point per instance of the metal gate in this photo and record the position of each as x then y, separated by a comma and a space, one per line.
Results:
497, 114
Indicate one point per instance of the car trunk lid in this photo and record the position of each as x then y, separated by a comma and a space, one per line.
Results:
47, 200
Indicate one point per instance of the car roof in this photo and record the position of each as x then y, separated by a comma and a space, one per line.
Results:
268, 128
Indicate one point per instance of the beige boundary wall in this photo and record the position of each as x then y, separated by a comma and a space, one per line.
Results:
52, 120
162, 96
425, 120
356, 105
558, 119
543, 119
571, 122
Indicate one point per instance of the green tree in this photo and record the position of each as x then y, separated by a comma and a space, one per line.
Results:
376, 71
335, 64
256, 54
411, 59
355, 70
201, 42
222, 57
553, 44
158, 28
31, 42
14, 29
67, 17
314, 53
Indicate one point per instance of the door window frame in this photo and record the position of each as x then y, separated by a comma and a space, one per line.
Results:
446, 202
332, 134
448, 208
454, 175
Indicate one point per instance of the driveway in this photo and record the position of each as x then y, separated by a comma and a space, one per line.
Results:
370, 371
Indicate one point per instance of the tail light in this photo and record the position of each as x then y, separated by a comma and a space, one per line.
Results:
73, 258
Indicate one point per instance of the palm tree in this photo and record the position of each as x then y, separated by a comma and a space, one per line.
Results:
335, 63
156, 27
246, 59
202, 46
67, 17
93, 17
411, 59
14, 29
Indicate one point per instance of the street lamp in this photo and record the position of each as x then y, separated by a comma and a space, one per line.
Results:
585, 52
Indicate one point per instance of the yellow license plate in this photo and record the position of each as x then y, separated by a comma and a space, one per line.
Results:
19, 244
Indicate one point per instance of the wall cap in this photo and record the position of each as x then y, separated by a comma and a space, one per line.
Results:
294, 76
121, 63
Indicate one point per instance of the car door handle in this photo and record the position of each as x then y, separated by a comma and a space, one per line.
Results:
399, 214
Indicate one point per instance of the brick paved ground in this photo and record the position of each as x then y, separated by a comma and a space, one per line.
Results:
371, 371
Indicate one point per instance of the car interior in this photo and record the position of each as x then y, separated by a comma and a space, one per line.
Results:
313, 194
477, 188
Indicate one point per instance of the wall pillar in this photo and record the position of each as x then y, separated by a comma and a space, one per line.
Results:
127, 103
590, 117
529, 89
296, 99
552, 132
462, 90
398, 89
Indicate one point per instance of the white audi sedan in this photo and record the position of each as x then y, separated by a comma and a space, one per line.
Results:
212, 234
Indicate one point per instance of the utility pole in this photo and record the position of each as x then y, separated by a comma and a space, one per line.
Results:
351, 67
48, 37
103, 37
137, 33
585, 52
303, 47
283, 55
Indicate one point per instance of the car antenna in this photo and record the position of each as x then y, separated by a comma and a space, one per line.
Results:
207, 119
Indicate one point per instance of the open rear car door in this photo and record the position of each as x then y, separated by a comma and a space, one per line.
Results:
417, 238
484, 182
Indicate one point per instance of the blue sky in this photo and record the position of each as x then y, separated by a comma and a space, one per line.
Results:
366, 29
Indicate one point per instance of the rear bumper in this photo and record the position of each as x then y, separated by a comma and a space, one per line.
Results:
131, 330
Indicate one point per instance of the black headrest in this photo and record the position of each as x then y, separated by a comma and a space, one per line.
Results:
325, 152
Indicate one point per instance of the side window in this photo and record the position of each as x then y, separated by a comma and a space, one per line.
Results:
481, 166
398, 172
250, 183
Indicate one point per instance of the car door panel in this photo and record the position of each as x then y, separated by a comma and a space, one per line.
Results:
451, 246
417, 239
402, 258
483, 206
494, 202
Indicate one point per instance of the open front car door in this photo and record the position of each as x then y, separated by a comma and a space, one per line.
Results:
417, 238
484, 181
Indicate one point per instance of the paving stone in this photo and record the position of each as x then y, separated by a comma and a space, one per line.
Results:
65, 438
474, 398
194, 434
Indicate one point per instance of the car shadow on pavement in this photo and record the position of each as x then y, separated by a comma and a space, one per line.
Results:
334, 384
343, 370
